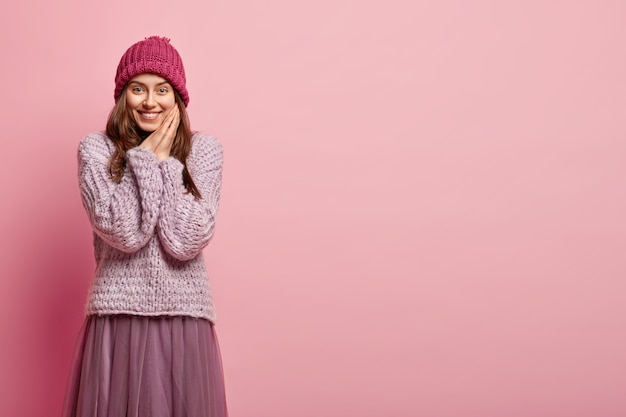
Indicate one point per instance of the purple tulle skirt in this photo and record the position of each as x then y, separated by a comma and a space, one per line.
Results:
134, 366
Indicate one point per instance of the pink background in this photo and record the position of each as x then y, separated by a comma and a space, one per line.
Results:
423, 206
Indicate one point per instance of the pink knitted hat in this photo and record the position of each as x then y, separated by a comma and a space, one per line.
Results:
153, 55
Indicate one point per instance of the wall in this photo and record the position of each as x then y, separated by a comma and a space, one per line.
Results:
423, 207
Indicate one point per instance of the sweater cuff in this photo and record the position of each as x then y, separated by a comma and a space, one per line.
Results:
144, 165
172, 171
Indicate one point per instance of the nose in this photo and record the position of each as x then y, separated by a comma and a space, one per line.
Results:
149, 101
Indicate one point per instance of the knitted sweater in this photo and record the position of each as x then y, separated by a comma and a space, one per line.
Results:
148, 232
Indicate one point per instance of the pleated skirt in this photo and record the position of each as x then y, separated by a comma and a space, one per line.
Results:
135, 366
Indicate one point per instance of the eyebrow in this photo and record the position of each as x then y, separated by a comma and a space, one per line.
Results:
140, 83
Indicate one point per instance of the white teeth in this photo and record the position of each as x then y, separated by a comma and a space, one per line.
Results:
149, 115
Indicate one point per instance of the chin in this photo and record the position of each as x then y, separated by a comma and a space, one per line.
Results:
148, 129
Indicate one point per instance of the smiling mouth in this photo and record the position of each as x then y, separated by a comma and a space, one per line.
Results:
149, 115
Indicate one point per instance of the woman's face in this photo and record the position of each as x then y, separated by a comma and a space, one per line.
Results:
149, 98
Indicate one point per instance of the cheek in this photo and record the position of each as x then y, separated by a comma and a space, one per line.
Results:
171, 102
132, 102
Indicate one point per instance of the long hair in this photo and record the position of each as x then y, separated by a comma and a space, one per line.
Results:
125, 134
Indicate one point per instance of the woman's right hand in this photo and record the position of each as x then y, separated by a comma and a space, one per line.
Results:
160, 141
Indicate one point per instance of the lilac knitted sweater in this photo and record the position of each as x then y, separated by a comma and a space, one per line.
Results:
148, 233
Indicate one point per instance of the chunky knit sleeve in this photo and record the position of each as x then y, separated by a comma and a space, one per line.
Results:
124, 215
186, 224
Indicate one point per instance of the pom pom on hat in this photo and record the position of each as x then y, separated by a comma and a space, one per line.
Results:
153, 55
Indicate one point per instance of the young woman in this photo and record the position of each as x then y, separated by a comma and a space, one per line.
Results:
151, 190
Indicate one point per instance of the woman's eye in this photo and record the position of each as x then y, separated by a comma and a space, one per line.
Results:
137, 89
162, 90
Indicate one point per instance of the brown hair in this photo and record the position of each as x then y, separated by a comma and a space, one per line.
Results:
125, 134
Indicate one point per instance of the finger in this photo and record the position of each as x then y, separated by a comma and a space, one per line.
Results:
168, 119
169, 132
160, 141
158, 135
174, 120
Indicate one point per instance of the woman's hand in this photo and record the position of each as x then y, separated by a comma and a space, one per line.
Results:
160, 141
